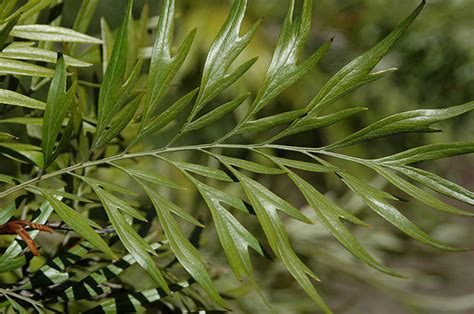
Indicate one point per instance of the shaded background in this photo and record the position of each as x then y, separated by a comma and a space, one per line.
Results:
436, 69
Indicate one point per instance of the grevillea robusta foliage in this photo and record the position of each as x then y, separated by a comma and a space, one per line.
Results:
102, 150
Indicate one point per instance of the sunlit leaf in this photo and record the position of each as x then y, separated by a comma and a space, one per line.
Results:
8, 66
285, 67
43, 32
16, 99
410, 121
226, 47
38, 54
163, 66
428, 152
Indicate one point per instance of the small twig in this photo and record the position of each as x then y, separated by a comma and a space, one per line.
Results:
16, 227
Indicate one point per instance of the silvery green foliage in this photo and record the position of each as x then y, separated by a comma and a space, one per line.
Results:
80, 137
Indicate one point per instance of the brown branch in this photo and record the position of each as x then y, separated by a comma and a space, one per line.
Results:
16, 227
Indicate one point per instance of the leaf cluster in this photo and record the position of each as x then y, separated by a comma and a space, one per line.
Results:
81, 137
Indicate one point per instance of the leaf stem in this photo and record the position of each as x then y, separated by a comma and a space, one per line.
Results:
163, 150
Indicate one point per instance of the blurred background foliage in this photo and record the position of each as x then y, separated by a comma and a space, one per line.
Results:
435, 61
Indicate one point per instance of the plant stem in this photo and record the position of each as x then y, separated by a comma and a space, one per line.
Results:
159, 151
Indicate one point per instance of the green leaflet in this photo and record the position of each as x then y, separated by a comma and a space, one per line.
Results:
226, 47
62, 194
267, 123
7, 212
8, 66
438, 184
391, 214
163, 66
134, 244
108, 185
272, 199
52, 33
25, 152
16, 99
164, 118
234, 238
107, 45
185, 252
329, 214
122, 119
410, 121
170, 205
357, 72
57, 105
427, 152
114, 91
304, 165
27, 10
418, 193
215, 114
308, 123
278, 239
115, 202
178, 211
284, 70
224, 197
151, 177
123, 89
15, 304
249, 165
4, 136
7, 179
38, 54
77, 222
203, 171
